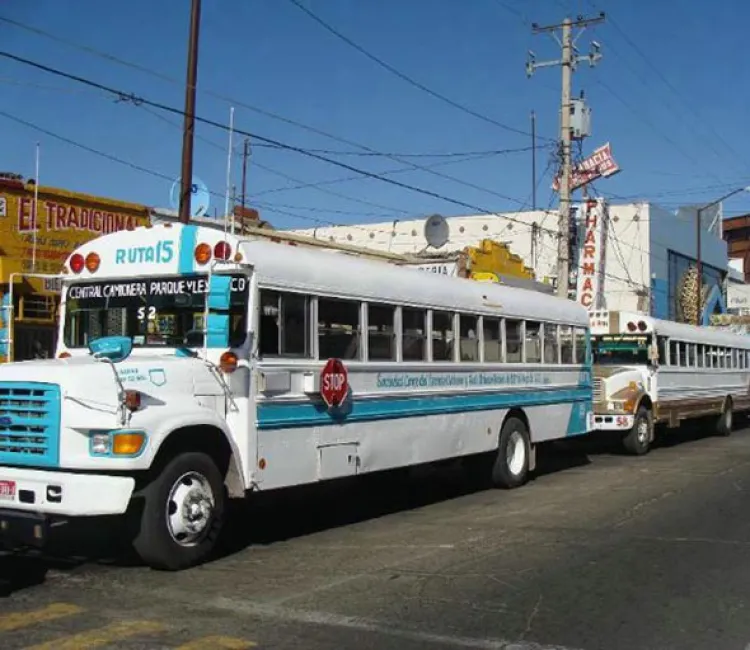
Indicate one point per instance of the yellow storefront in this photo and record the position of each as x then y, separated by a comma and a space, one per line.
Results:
37, 242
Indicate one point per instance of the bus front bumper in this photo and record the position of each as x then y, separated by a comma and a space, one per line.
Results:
63, 494
613, 421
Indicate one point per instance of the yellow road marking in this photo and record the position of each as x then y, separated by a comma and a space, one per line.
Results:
18, 620
218, 643
101, 636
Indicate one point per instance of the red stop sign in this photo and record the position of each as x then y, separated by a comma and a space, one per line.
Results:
334, 383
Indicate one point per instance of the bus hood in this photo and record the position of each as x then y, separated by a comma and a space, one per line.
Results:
91, 382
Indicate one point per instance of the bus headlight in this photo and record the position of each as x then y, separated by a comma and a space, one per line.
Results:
123, 443
100, 444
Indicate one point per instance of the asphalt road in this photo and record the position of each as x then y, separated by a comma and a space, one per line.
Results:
600, 551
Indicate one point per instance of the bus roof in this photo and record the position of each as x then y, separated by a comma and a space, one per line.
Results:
681, 331
168, 249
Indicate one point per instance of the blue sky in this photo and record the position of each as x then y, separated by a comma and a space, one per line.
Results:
670, 96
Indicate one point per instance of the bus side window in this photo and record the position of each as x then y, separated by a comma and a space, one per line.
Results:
533, 342
566, 344
493, 352
382, 333
268, 340
551, 344
284, 325
442, 336
414, 337
338, 329
469, 340
513, 342
581, 352
663, 343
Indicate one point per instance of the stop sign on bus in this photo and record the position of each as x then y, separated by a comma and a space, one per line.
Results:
334, 383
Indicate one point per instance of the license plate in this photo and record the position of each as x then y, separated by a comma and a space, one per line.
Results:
7, 490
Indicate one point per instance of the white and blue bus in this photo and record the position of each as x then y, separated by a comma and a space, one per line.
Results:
193, 366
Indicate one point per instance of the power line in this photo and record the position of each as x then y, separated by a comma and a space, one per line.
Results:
267, 142
157, 174
225, 98
687, 103
405, 77
137, 100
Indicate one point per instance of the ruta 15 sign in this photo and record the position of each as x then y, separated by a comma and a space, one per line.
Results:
591, 255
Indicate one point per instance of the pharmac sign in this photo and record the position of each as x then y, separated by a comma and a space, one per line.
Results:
591, 255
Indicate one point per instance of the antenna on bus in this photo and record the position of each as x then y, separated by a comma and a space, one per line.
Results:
229, 173
35, 212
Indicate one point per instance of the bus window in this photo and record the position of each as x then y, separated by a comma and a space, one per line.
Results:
513, 341
414, 337
493, 342
551, 344
469, 341
533, 342
442, 336
566, 344
381, 337
338, 329
581, 345
284, 325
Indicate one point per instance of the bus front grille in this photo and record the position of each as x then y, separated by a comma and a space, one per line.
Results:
29, 424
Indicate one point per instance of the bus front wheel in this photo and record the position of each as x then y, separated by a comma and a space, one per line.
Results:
511, 467
638, 440
181, 514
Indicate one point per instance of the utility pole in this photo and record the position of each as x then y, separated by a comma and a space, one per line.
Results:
188, 133
245, 155
533, 160
568, 62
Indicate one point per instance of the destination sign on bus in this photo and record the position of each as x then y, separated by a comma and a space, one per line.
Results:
149, 287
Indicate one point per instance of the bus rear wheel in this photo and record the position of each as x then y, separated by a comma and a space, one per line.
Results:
511, 467
182, 513
726, 420
638, 440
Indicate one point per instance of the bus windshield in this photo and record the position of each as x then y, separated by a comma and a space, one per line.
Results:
154, 312
620, 350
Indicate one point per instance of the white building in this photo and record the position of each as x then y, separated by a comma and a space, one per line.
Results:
647, 263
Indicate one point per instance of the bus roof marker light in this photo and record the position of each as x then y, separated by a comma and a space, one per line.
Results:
222, 251
631, 326
202, 253
76, 263
92, 262
642, 325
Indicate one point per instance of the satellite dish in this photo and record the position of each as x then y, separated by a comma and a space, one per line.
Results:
436, 231
200, 198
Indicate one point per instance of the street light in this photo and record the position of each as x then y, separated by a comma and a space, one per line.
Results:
699, 263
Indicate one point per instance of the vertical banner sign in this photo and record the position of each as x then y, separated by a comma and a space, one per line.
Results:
591, 255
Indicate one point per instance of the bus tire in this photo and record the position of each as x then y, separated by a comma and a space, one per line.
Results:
726, 420
511, 467
182, 513
638, 440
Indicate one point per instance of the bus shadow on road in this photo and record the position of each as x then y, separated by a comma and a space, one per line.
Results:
290, 513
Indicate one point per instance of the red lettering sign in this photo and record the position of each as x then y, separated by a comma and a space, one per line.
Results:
334, 383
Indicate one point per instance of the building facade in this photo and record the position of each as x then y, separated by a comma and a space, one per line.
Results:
39, 228
645, 259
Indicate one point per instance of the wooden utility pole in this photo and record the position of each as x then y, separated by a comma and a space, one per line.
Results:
188, 133
568, 63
